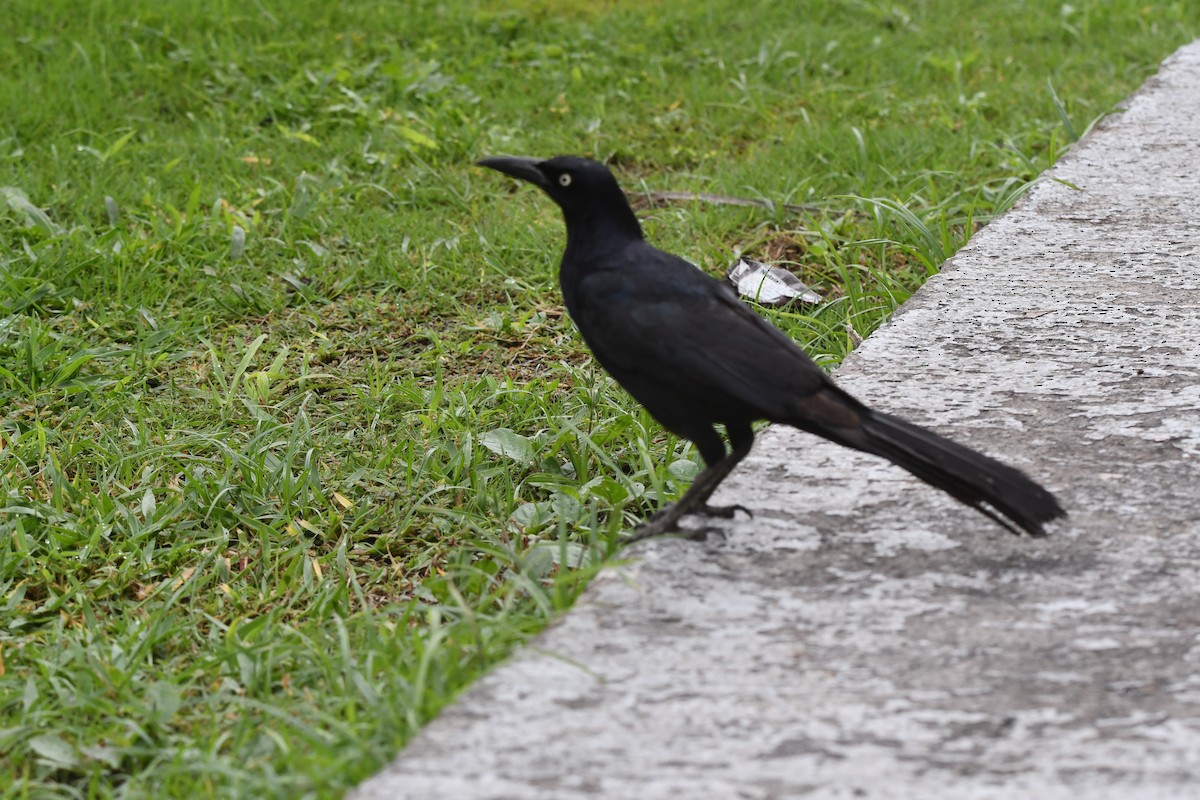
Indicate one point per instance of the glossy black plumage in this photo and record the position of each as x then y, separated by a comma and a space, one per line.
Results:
695, 356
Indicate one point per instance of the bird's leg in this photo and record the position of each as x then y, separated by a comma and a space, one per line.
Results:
708, 486
741, 437
696, 497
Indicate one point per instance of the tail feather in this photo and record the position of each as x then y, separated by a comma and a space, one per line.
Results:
971, 477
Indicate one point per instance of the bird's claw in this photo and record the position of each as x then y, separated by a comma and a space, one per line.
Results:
725, 512
657, 525
657, 515
666, 518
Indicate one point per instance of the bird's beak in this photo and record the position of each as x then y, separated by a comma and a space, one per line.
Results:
525, 169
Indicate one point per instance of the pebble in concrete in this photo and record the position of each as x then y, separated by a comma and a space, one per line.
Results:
865, 636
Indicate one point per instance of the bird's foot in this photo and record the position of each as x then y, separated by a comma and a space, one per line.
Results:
725, 512
662, 513
666, 518
662, 521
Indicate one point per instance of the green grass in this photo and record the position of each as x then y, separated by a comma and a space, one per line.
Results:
296, 439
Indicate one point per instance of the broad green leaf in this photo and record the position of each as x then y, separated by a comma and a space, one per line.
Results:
510, 444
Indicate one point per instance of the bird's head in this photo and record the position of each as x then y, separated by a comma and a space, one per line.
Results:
585, 190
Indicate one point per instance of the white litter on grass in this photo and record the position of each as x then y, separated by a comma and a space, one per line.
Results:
768, 285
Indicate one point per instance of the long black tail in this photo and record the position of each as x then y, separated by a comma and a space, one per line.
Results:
966, 475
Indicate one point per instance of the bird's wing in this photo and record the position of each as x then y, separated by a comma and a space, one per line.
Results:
684, 330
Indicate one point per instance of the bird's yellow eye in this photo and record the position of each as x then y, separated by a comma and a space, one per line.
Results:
564, 179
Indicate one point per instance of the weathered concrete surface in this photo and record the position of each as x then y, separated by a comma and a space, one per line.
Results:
864, 636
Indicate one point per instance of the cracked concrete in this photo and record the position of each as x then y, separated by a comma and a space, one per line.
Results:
865, 636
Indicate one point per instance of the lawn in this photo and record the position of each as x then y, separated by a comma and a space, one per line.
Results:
296, 438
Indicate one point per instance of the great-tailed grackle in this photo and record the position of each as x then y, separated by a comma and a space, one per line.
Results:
694, 355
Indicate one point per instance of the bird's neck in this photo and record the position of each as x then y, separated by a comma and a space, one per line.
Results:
600, 227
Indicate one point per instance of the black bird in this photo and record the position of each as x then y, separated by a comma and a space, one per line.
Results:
684, 345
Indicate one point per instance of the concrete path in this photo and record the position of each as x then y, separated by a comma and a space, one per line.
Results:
866, 637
